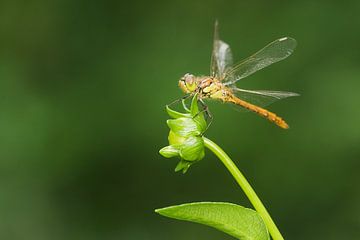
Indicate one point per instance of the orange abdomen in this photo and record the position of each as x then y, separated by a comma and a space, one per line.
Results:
272, 117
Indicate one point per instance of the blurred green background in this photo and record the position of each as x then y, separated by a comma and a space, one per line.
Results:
83, 85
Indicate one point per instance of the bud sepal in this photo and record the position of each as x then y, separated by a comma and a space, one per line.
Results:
185, 136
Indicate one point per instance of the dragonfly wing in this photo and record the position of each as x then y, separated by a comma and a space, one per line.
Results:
221, 58
272, 53
261, 98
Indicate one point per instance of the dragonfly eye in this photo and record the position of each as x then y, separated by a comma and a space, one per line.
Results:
187, 83
189, 79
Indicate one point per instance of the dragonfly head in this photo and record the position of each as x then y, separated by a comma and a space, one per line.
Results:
187, 83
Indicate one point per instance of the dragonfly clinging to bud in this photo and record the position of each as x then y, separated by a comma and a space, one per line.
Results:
220, 85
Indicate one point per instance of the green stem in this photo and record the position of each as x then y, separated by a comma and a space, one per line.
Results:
244, 184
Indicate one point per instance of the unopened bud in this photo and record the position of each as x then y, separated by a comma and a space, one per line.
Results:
185, 136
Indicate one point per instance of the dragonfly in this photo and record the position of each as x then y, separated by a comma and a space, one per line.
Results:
221, 83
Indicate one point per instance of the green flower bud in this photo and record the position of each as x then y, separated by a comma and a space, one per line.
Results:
184, 126
185, 136
175, 139
192, 149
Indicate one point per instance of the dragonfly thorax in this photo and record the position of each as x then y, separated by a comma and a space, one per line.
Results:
205, 86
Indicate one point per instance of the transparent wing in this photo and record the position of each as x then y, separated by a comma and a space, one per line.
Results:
221, 58
261, 98
272, 53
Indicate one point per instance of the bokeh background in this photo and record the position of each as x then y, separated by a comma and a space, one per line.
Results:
83, 85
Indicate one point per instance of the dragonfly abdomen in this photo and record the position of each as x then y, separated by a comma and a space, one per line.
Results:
272, 117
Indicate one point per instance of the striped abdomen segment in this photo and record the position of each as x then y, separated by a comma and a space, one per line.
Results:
272, 117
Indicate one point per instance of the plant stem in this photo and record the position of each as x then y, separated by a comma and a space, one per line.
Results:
245, 186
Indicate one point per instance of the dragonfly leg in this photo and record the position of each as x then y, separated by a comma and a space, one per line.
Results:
182, 99
205, 109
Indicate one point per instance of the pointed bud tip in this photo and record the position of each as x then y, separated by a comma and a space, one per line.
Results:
169, 152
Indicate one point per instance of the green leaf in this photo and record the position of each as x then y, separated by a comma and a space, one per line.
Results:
194, 108
175, 114
183, 102
183, 166
198, 114
237, 221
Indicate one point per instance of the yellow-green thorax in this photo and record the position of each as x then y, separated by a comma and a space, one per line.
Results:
206, 87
